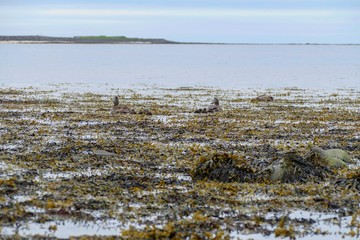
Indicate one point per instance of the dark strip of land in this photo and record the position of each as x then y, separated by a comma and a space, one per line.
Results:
82, 39
125, 40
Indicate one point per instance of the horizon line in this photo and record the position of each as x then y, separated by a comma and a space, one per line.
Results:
187, 42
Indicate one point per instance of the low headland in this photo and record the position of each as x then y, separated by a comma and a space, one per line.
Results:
36, 39
82, 40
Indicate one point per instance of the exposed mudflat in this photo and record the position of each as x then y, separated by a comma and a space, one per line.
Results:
68, 167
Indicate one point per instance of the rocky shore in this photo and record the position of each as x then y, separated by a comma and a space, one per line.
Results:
68, 162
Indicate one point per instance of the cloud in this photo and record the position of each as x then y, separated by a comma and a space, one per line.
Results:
186, 22
203, 12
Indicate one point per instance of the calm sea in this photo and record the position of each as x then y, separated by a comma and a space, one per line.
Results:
224, 66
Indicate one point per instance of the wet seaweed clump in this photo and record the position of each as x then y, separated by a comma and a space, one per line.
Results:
295, 168
222, 167
351, 181
199, 226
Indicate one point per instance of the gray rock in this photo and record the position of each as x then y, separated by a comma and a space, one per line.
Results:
263, 98
104, 153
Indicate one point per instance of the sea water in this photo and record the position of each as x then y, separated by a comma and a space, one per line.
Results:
220, 66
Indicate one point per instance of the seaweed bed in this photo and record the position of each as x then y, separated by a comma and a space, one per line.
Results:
71, 169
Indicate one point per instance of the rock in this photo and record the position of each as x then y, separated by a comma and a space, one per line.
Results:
214, 107
104, 153
222, 167
263, 98
333, 158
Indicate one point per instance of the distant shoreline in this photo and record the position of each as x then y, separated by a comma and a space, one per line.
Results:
125, 40
81, 40
68, 42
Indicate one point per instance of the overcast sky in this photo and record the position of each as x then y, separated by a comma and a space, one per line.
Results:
231, 21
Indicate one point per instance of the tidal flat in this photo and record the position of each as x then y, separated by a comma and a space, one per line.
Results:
71, 169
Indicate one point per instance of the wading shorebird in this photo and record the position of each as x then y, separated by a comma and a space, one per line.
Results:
214, 107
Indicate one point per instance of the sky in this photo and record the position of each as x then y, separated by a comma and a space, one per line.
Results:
227, 21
